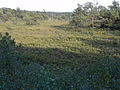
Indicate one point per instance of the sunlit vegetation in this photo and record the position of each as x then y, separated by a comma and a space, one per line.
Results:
43, 50
95, 15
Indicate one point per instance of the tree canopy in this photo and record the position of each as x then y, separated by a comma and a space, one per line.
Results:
95, 15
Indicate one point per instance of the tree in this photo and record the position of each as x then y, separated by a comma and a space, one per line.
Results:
78, 16
85, 16
94, 15
115, 14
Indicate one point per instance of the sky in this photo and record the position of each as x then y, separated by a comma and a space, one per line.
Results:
48, 5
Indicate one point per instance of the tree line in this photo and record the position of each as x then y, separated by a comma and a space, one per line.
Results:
95, 15
30, 17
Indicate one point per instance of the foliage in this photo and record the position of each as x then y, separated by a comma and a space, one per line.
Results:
105, 75
30, 17
94, 15
31, 21
7, 50
8, 58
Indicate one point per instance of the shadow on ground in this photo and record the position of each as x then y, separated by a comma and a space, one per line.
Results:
109, 48
55, 56
64, 27
115, 32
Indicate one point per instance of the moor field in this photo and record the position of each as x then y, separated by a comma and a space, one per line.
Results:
57, 56
56, 42
64, 49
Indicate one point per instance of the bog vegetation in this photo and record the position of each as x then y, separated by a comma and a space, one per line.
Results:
61, 51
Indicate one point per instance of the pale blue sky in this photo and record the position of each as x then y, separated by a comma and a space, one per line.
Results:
48, 5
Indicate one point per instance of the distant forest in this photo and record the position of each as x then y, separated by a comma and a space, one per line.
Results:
30, 17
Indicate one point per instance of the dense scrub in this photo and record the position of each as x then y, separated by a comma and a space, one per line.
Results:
30, 17
95, 15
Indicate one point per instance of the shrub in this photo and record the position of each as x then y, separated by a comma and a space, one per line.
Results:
8, 61
105, 75
31, 21
7, 50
